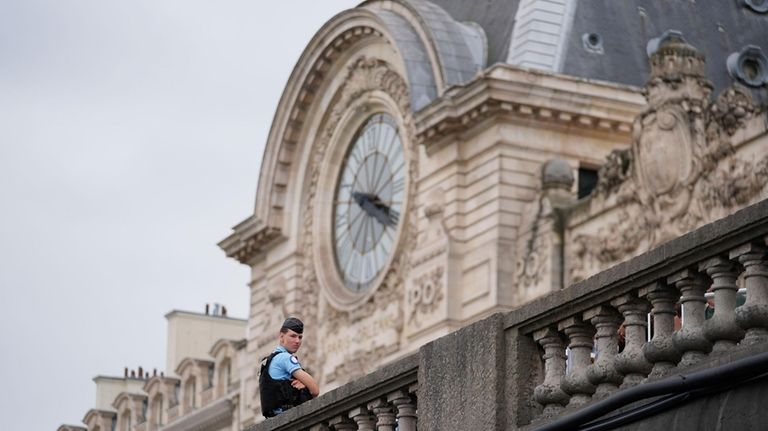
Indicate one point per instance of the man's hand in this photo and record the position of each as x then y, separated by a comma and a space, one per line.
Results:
297, 384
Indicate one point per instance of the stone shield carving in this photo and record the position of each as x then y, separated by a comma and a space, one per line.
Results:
664, 151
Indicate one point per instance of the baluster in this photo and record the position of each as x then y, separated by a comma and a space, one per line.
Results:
753, 315
549, 394
319, 427
406, 410
385, 415
602, 373
690, 339
631, 361
364, 419
575, 383
342, 423
721, 328
661, 351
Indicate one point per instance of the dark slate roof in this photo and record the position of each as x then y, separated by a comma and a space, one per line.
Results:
496, 17
717, 28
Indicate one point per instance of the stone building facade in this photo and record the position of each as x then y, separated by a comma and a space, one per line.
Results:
505, 127
431, 163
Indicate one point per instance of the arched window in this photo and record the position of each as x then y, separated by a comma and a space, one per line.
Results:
157, 410
210, 376
144, 407
125, 420
189, 394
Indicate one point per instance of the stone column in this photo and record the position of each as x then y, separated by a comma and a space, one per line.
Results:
385, 415
721, 329
342, 423
660, 351
753, 315
363, 418
580, 342
690, 339
631, 361
549, 394
406, 410
602, 373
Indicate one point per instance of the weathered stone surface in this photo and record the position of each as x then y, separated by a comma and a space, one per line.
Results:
461, 379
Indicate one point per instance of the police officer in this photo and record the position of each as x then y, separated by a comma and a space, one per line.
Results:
283, 383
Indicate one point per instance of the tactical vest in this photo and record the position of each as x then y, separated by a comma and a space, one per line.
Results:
278, 394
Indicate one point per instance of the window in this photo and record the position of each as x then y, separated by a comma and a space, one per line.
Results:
189, 395
587, 181
210, 376
157, 411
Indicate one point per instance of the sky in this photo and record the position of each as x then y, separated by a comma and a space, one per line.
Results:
131, 136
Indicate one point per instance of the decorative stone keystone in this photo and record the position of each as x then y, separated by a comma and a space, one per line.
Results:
549, 394
602, 373
385, 415
406, 410
575, 383
753, 315
721, 328
631, 361
690, 339
660, 351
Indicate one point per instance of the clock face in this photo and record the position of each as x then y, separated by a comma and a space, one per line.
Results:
368, 202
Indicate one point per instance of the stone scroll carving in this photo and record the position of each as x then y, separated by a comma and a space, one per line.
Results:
681, 171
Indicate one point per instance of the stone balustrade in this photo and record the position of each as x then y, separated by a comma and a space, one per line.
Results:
382, 401
579, 346
669, 285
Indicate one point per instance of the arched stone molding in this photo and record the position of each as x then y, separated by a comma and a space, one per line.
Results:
406, 29
194, 377
99, 420
129, 410
161, 394
224, 354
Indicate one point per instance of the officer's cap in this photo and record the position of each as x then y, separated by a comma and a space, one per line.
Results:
294, 325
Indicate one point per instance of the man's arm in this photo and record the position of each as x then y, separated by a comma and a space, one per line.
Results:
308, 381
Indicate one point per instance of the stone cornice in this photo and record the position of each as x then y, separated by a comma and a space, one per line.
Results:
249, 238
533, 96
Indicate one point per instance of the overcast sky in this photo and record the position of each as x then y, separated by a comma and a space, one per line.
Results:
131, 135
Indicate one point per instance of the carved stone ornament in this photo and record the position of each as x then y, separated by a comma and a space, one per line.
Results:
530, 265
425, 295
363, 76
681, 171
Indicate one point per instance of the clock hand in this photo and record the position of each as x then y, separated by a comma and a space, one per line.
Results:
391, 215
371, 207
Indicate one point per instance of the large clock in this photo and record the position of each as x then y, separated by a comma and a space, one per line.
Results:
368, 202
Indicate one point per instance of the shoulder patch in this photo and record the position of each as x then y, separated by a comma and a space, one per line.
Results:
294, 359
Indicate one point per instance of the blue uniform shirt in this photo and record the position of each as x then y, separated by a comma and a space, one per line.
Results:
283, 365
